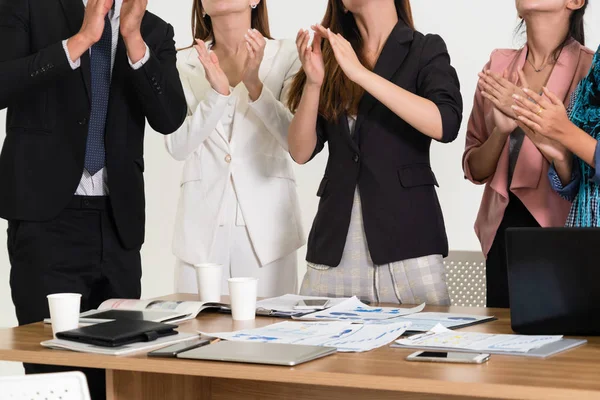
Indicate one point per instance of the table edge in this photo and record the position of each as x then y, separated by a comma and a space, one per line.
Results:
319, 379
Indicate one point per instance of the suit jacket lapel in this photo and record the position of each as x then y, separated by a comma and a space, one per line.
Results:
86, 72
74, 11
563, 75
390, 60
121, 61
271, 50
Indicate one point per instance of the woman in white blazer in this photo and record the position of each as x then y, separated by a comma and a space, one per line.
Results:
238, 205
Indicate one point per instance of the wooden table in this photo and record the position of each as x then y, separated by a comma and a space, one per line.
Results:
380, 374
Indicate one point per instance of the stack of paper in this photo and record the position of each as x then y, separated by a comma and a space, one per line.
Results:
443, 339
356, 311
426, 321
353, 310
284, 305
343, 335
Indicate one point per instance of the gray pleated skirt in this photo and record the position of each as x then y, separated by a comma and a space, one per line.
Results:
414, 281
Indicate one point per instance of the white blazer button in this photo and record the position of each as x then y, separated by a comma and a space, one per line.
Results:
228, 158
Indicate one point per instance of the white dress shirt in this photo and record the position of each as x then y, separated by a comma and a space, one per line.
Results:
97, 185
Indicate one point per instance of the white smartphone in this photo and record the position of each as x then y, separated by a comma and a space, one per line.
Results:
449, 357
312, 304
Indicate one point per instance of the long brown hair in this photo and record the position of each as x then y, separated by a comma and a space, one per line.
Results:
338, 93
202, 24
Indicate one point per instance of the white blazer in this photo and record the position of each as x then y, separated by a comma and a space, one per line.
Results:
256, 159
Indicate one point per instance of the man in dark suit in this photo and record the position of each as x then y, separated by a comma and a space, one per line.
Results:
79, 78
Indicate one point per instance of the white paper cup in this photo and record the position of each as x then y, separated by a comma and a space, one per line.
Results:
64, 311
209, 282
242, 292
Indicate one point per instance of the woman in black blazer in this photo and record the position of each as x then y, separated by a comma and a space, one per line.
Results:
377, 92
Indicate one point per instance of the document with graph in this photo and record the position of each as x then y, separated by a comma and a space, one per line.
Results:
343, 335
358, 312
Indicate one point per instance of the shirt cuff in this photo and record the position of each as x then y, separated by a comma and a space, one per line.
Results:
570, 190
140, 63
596, 177
74, 64
214, 97
260, 98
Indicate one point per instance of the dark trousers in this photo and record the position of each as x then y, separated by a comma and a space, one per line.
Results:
496, 271
77, 252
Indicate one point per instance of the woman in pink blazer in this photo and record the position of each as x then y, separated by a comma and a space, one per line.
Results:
498, 152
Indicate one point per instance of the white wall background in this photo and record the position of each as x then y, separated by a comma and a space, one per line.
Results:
471, 28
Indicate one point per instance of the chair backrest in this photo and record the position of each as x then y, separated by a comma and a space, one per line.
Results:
465, 274
63, 386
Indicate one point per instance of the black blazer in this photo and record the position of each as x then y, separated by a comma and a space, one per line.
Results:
49, 105
388, 160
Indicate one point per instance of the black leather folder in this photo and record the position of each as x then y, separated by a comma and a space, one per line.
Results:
119, 333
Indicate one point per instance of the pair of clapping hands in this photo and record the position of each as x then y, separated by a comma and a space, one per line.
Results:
542, 117
255, 44
309, 53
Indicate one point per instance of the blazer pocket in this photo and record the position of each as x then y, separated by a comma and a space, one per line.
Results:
322, 187
417, 175
192, 171
20, 130
276, 167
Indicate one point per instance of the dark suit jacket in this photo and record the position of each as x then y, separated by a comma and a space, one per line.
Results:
388, 160
49, 106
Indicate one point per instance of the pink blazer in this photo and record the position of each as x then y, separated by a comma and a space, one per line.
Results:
530, 183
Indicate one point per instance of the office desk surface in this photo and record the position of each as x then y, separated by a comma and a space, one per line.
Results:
574, 374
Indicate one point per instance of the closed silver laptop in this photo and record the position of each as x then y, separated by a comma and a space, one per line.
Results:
258, 353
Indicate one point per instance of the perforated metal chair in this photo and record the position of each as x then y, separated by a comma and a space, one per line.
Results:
465, 271
59, 386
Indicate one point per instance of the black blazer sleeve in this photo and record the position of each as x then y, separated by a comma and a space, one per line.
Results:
437, 81
321, 136
159, 87
21, 71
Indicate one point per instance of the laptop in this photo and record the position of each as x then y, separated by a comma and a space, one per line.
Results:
258, 353
554, 280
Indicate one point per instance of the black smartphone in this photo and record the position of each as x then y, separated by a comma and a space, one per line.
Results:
173, 350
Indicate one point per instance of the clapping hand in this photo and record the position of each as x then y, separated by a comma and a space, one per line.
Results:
545, 116
93, 21
255, 43
311, 57
543, 121
214, 74
132, 13
344, 53
499, 90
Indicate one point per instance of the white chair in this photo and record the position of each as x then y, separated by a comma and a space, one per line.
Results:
465, 274
59, 386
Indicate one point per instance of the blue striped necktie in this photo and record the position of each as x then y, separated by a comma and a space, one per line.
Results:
100, 58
